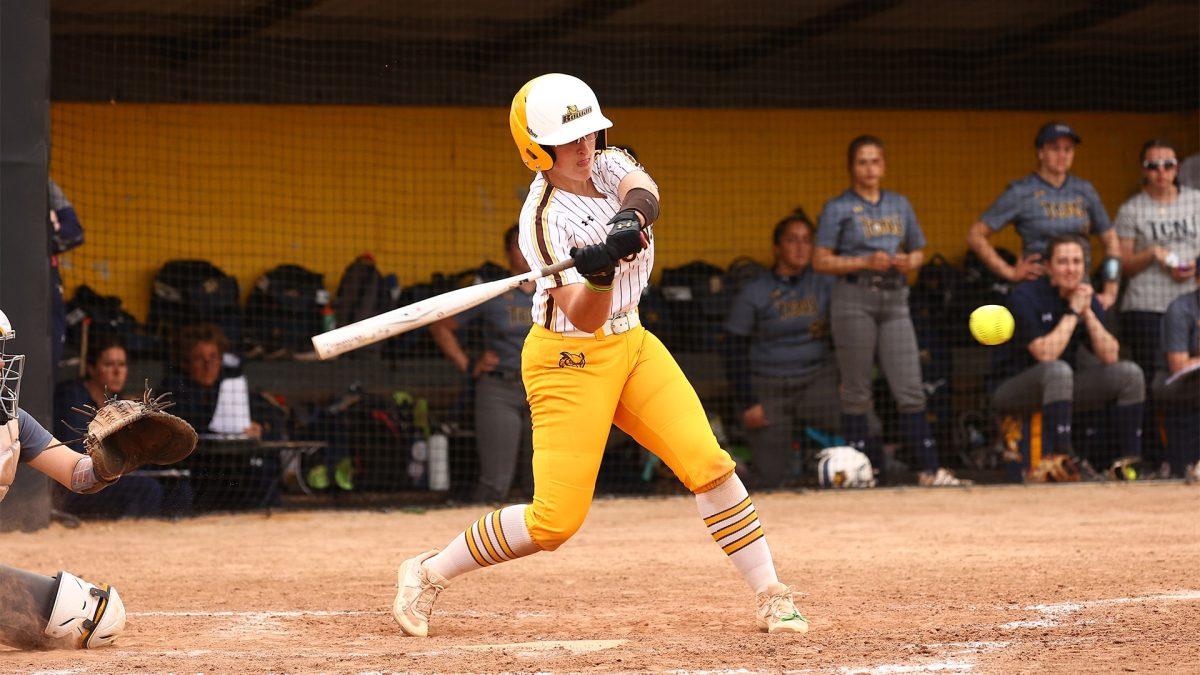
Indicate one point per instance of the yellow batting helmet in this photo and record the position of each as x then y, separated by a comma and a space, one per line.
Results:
551, 110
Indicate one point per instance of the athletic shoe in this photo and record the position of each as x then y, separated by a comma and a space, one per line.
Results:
417, 588
343, 474
318, 477
1164, 471
1124, 468
1191, 475
943, 478
777, 611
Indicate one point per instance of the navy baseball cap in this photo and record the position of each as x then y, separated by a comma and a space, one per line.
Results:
1053, 130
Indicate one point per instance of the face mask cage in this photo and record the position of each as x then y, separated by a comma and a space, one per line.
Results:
10, 382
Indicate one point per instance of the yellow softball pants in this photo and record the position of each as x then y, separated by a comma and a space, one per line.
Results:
578, 388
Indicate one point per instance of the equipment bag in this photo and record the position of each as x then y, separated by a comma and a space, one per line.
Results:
364, 292
285, 309
104, 314
694, 305
194, 291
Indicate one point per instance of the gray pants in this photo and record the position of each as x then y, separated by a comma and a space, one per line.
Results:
503, 435
1089, 385
812, 398
1185, 391
868, 320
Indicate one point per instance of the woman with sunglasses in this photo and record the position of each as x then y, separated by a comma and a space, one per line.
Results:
1159, 229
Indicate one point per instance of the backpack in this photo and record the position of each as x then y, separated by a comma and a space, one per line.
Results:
742, 271
188, 292
694, 305
104, 314
384, 431
939, 311
285, 309
364, 292
418, 344
982, 286
490, 271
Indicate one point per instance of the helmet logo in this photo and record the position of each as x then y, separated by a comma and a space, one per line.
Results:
574, 113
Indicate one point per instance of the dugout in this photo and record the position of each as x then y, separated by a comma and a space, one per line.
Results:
305, 131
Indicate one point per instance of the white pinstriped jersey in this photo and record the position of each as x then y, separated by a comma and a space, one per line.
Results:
555, 221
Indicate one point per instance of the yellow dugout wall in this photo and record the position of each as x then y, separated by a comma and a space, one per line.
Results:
431, 189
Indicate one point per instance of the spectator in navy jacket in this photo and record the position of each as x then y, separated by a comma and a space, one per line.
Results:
1062, 357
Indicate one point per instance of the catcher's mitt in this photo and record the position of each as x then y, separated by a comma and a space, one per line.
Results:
1054, 469
125, 435
1125, 468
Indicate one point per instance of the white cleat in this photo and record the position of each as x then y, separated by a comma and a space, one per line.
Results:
417, 588
777, 611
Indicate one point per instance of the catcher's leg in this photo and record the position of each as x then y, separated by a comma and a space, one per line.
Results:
64, 611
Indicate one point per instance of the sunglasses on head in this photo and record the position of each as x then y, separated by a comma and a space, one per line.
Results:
1165, 164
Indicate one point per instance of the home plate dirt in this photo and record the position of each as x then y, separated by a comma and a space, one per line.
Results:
1077, 578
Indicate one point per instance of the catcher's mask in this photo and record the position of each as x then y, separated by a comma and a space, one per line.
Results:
551, 110
11, 367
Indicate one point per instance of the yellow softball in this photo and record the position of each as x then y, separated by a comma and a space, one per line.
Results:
992, 324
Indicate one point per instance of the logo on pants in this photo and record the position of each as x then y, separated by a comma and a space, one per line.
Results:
569, 360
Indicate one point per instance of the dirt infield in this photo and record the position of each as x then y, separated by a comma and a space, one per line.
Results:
1094, 578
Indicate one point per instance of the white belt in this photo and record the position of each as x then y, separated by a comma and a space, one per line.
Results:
617, 324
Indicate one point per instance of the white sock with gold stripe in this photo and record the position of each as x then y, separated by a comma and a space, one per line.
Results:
730, 517
496, 537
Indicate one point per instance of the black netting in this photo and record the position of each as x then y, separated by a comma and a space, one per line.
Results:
248, 174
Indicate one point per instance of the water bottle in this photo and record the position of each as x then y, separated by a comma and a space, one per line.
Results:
328, 320
439, 462
417, 464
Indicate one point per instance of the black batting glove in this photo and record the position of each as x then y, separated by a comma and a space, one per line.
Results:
625, 237
595, 262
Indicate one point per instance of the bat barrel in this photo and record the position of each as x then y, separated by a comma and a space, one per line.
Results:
369, 331
353, 336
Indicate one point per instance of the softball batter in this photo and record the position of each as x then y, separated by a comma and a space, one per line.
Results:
588, 364
36, 611
869, 238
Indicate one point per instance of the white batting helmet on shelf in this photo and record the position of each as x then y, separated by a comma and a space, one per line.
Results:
550, 110
11, 367
844, 467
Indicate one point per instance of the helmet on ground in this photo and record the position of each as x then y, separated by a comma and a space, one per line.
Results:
11, 366
552, 110
844, 467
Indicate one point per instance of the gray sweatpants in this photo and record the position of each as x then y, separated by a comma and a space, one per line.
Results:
1182, 392
503, 435
1090, 384
812, 398
868, 320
